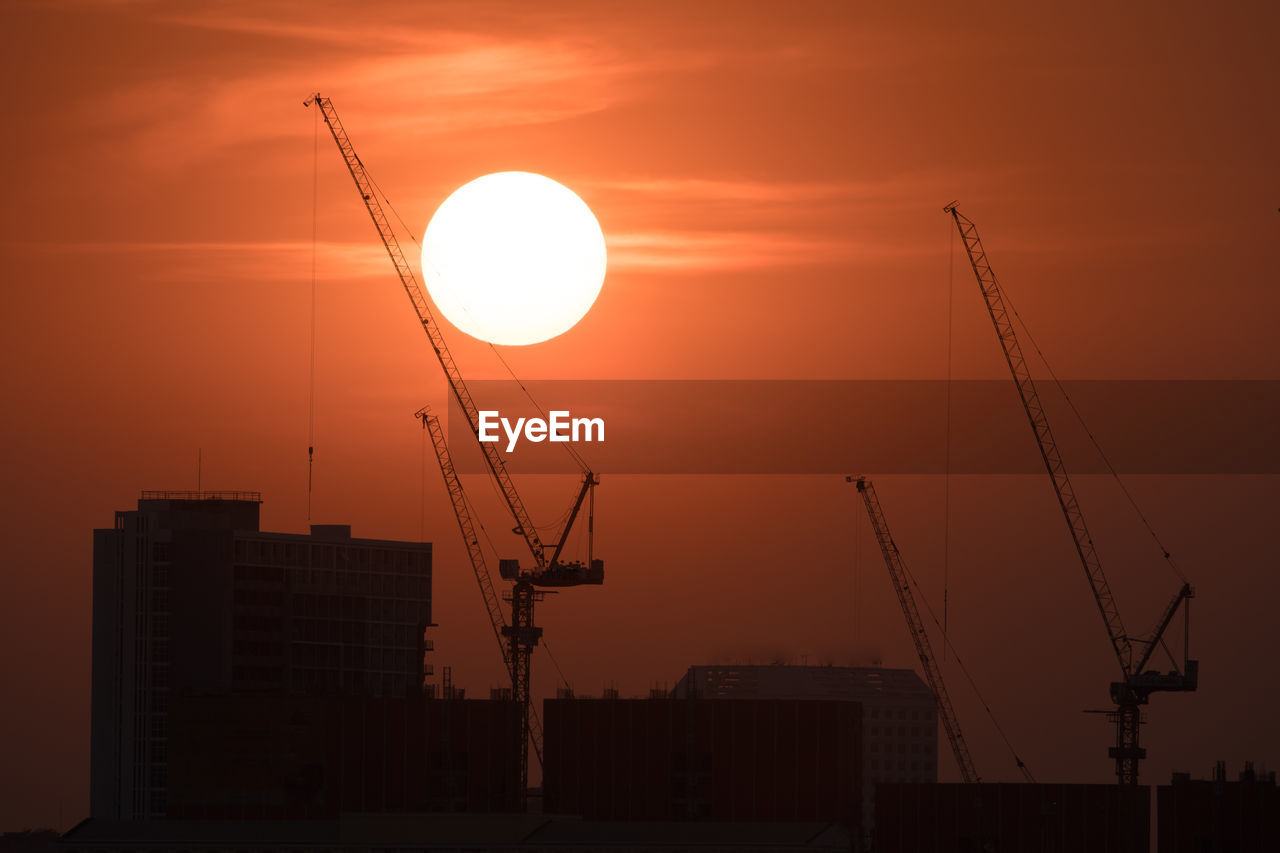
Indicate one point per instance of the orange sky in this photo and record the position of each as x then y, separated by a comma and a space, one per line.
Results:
770, 181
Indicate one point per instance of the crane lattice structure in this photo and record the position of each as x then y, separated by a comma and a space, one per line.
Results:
516, 645
547, 571
902, 586
1133, 653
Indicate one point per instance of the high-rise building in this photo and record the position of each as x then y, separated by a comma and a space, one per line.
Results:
191, 598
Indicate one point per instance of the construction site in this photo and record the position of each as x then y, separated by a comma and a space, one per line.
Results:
288, 692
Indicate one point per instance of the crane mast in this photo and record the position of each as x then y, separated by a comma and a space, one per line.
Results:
901, 585
1132, 653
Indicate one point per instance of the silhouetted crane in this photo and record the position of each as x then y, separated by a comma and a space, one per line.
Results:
902, 586
1136, 685
546, 571
516, 646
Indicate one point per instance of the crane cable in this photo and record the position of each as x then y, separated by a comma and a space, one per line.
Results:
946, 488
422, 491
857, 587
555, 663
1094, 441
577, 457
315, 216
946, 642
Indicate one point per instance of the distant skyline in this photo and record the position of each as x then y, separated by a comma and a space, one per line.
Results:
769, 181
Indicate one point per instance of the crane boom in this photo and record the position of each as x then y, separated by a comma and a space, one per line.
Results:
901, 585
1045, 441
412, 287
1135, 687
514, 655
518, 638
468, 529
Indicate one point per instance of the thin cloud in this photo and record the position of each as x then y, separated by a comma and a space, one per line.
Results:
780, 192
271, 262
437, 84
302, 29
290, 261
701, 251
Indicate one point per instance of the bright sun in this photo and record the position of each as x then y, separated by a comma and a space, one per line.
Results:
513, 258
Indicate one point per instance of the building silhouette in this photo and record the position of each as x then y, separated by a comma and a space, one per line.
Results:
1219, 816
317, 757
191, 599
899, 712
1028, 818
696, 759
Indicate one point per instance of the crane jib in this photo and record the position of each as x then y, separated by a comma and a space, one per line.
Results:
1136, 684
457, 386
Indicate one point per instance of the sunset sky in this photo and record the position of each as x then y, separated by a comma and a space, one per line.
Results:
770, 180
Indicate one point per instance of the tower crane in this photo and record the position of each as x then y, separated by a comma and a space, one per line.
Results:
1133, 653
902, 586
548, 570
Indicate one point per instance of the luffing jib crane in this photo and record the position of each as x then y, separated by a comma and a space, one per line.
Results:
902, 586
547, 570
516, 647
1133, 653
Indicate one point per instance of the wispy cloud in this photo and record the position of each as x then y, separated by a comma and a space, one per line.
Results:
268, 262
729, 250
273, 262
767, 191
427, 82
